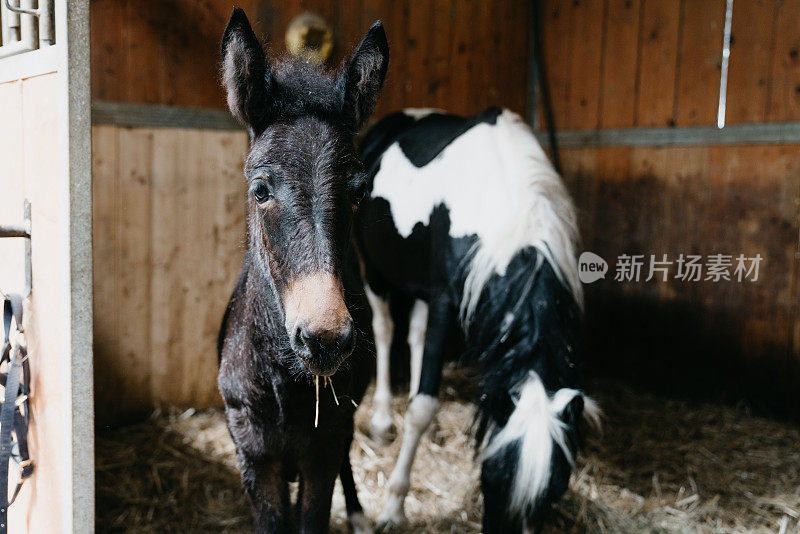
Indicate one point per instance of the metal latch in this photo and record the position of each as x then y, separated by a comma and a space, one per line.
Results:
22, 231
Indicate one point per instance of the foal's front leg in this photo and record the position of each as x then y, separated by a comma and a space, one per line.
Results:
265, 485
318, 474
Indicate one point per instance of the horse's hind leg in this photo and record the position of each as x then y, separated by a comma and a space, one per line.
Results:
383, 327
355, 513
421, 411
418, 324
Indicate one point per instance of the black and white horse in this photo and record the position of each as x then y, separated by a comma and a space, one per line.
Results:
468, 217
291, 365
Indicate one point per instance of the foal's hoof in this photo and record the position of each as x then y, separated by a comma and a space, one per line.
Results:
381, 429
391, 519
359, 524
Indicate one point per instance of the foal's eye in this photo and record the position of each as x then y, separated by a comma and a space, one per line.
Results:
360, 192
260, 191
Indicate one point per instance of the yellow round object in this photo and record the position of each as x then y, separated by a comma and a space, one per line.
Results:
310, 38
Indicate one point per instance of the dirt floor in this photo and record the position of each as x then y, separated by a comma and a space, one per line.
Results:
661, 465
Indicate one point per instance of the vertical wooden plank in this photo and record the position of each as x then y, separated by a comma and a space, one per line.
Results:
557, 55
191, 354
613, 163
513, 45
580, 166
185, 41
395, 18
145, 65
752, 37
135, 152
12, 268
226, 244
658, 52
596, 209
167, 304
49, 327
348, 26
499, 64
109, 54
620, 60
461, 56
586, 36
438, 82
197, 247
785, 93
701, 56
419, 53
481, 61
105, 260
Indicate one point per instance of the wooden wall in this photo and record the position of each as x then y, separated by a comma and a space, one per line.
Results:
454, 54
624, 63
656, 63
168, 244
726, 338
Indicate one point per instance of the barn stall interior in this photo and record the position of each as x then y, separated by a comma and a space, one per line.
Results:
697, 378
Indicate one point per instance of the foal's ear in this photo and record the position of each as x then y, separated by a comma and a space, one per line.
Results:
245, 73
362, 77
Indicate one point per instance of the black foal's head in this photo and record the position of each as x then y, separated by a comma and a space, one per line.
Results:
304, 178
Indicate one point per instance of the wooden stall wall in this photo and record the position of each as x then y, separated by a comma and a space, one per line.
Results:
454, 54
650, 63
168, 244
627, 63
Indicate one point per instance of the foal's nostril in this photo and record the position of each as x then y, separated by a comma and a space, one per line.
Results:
346, 340
310, 344
302, 342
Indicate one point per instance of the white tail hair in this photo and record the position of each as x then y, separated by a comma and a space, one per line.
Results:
536, 424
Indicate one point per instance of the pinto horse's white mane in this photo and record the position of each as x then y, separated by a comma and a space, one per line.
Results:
497, 184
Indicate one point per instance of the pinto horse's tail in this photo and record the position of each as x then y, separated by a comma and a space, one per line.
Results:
527, 463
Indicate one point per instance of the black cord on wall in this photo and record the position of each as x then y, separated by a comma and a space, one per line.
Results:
541, 77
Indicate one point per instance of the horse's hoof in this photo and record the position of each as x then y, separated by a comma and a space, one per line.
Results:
381, 429
359, 524
391, 519
390, 525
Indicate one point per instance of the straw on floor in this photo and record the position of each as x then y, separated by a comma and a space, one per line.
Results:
661, 465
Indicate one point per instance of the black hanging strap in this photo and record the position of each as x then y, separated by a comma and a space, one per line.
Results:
15, 400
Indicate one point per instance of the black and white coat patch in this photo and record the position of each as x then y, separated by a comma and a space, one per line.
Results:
467, 216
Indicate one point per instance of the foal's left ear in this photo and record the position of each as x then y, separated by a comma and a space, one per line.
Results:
361, 79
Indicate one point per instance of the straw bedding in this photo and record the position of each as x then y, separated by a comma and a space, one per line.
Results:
661, 465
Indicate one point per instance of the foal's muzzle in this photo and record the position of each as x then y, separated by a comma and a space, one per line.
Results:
320, 327
323, 351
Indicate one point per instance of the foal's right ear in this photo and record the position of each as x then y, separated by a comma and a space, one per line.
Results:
245, 73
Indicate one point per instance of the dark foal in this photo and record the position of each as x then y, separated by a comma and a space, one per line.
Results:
291, 365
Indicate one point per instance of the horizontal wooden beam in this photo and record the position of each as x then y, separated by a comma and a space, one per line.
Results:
152, 116
733, 134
